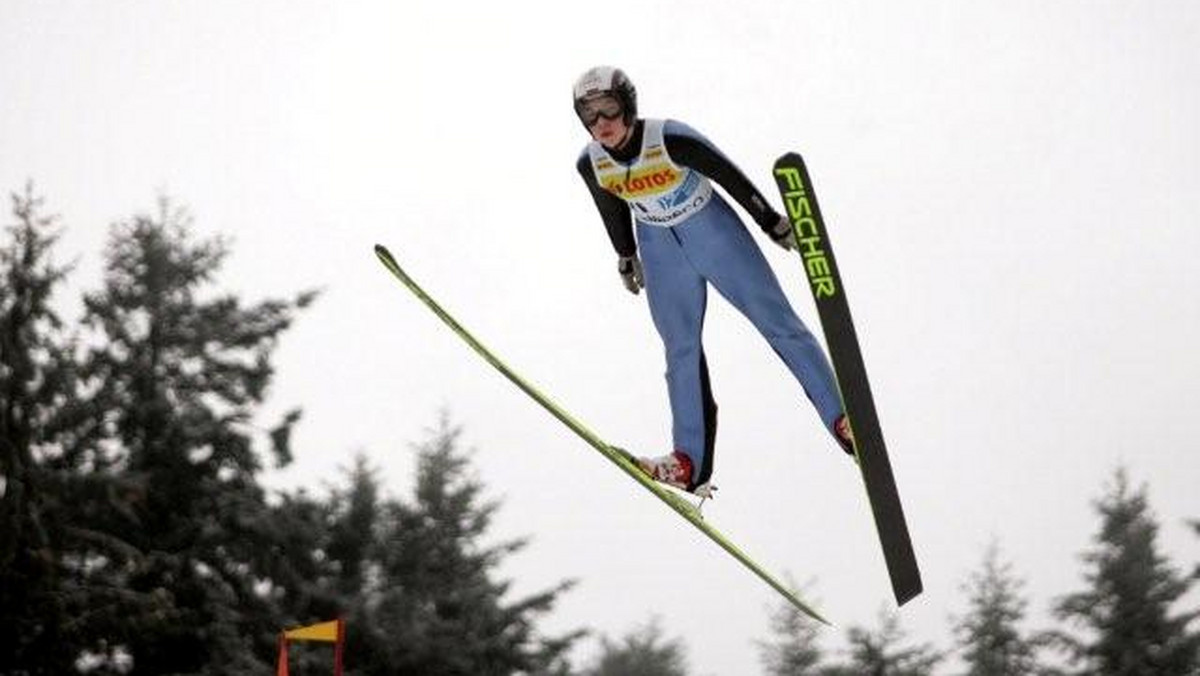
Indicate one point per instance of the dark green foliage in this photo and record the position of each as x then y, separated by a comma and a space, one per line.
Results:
1127, 608
39, 424
135, 537
179, 376
134, 534
435, 607
989, 635
1196, 572
796, 649
885, 652
642, 652
63, 510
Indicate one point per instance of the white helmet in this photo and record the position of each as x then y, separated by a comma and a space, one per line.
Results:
606, 81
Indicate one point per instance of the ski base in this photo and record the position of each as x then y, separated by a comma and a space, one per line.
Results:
829, 294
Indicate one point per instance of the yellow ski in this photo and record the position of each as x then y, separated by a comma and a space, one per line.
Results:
617, 456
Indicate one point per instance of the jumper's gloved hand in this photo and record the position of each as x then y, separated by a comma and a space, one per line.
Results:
781, 233
631, 273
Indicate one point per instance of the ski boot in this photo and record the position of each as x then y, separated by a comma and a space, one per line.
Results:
675, 470
845, 436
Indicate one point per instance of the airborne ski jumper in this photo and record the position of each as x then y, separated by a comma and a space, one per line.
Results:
654, 178
674, 235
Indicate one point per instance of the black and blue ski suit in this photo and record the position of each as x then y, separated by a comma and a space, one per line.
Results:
688, 237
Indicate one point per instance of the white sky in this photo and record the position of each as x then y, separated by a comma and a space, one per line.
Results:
1011, 187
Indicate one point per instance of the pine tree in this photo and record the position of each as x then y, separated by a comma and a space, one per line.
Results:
354, 519
1196, 527
642, 652
885, 653
61, 511
321, 566
352, 531
36, 390
1127, 608
795, 650
302, 577
989, 635
439, 611
179, 378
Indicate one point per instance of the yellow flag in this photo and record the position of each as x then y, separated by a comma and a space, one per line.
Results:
325, 631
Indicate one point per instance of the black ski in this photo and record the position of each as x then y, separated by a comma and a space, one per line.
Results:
825, 283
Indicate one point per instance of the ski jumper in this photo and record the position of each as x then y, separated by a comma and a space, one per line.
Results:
688, 237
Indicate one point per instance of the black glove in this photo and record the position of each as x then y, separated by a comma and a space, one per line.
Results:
630, 269
782, 234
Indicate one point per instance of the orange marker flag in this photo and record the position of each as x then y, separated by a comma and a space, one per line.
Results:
325, 631
333, 631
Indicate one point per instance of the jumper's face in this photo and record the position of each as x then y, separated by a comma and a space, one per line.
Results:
605, 119
610, 133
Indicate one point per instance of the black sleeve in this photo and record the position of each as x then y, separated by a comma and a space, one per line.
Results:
702, 156
615, 212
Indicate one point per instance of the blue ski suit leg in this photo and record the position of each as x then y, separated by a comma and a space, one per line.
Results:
713, 246
678, 296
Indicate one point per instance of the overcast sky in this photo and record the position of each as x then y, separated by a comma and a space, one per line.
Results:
1012, 188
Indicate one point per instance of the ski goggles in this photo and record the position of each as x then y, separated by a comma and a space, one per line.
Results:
591, 110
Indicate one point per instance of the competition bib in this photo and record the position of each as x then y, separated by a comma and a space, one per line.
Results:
659, 191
